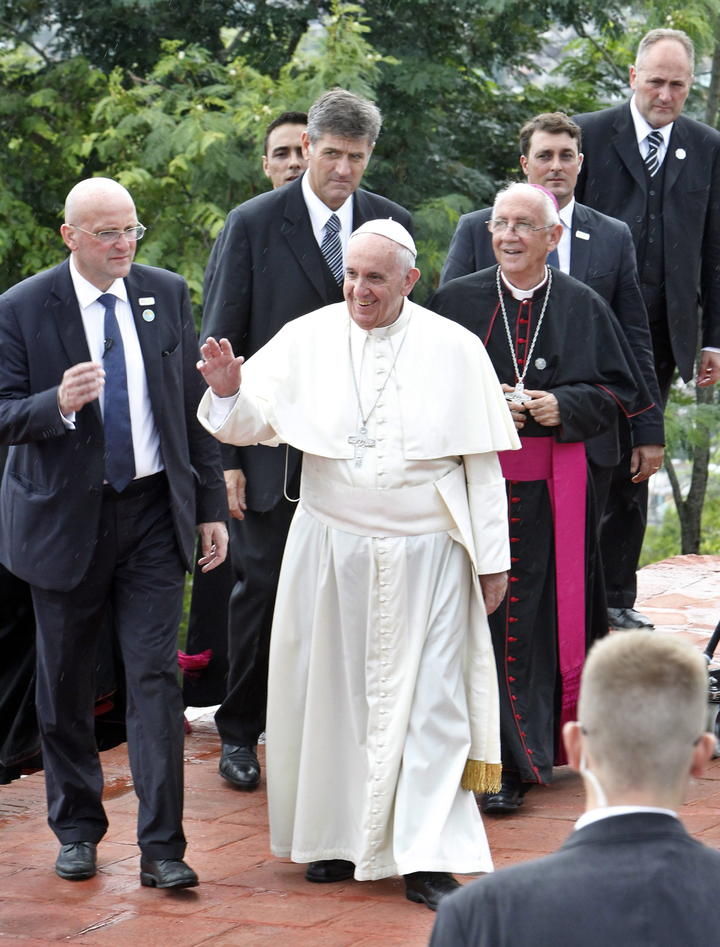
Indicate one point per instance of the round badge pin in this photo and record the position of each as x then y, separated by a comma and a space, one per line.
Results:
148, 315
540, 363
680, 153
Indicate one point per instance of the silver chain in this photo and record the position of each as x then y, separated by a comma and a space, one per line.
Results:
364, 420
518, 376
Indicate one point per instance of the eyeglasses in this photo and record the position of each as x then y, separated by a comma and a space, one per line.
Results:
109, 237
500, 225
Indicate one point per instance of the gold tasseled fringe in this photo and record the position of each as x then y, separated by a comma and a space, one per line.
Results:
481, 777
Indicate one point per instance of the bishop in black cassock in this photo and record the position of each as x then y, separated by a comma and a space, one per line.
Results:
565, 342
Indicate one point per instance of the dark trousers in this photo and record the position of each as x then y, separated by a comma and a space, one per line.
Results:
137, 571
622, 527
256, 547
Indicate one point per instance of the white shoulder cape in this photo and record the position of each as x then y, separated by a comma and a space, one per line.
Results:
450, 398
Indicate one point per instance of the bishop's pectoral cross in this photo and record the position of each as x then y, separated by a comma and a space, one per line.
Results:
360, 441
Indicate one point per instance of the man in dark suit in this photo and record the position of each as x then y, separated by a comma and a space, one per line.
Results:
282, 161
630, 873
108, 474
598, 251
659, 171
279, 256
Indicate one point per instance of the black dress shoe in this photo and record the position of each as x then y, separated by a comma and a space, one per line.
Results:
239, 765
166, 873
332, 869
76, 861
509, 799
429, 887
627, 619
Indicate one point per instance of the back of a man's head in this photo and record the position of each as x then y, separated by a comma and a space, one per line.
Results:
643, 705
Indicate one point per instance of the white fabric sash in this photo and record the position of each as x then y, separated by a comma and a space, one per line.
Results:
401, 511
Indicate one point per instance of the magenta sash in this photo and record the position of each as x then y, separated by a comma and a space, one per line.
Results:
564, 468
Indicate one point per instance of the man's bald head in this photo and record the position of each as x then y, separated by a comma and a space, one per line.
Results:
90, 193
95, 208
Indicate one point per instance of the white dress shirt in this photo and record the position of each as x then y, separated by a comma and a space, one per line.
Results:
146, 440
643, 129
565, 245
320, 213
607, 812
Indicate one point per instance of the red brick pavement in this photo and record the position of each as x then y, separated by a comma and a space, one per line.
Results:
246, 897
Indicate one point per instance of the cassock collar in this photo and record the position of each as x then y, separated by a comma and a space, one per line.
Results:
393, 329
522, 293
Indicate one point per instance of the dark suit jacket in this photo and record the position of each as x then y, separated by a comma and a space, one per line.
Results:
266, 269
53, 482
636, 880
612, 180
604, 259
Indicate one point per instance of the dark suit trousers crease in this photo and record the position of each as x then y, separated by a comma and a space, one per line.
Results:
136, 567
256, 544
622, 529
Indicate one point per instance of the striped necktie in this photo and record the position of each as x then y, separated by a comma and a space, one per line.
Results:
119, 453
331, 247
652, 159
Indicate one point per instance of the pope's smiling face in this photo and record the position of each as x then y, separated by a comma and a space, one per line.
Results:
376, 281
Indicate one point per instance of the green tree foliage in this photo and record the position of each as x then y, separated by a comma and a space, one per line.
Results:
44, 114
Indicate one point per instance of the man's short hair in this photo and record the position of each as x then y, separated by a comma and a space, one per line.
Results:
344, 115
643, 705
287, 118
553, 122
655, 36
550, 214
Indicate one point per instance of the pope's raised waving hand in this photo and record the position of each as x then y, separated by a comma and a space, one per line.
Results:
220, 367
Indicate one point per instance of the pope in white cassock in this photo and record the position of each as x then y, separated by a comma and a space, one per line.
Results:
382, 705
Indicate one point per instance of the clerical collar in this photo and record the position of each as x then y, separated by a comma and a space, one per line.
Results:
522, 293
643, 128
392, 329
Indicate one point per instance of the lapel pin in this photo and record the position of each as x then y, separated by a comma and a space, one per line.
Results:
146, 301
582, 235
540, 363
680, 153
148, 315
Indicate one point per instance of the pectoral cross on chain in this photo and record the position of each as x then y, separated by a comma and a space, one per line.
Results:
360, 441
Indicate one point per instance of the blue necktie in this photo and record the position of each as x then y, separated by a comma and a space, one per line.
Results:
553, 259
331, 247
119, 454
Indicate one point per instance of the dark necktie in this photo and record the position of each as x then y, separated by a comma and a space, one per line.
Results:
331, 248
119, 454
652, 158
553, 259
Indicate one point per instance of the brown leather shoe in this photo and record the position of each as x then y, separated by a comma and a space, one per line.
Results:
429, 887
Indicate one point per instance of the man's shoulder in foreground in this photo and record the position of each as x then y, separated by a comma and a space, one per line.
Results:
581, 888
